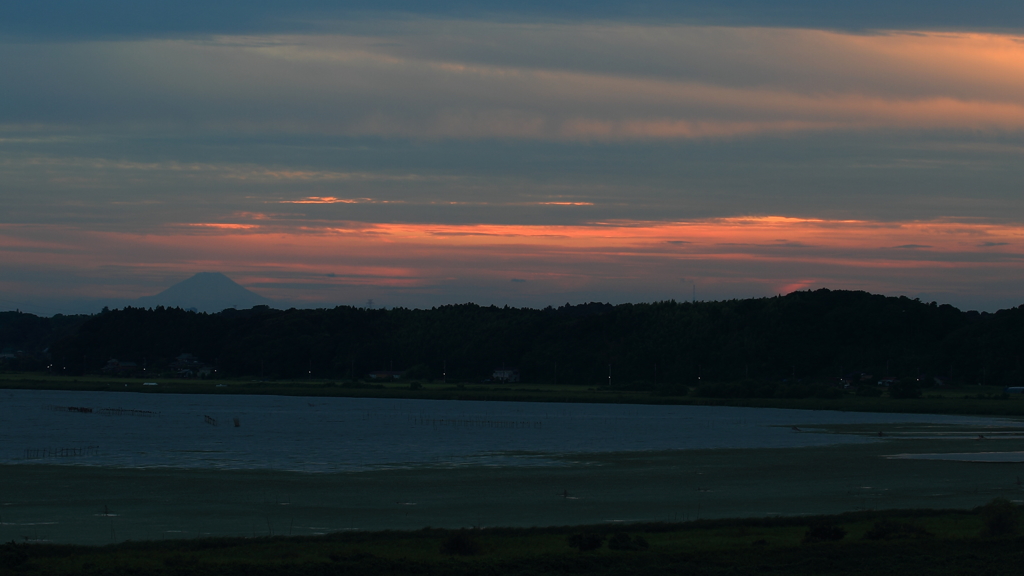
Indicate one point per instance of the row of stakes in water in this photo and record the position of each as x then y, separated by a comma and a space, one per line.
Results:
476, 423
37, 453
213, 421
103, 411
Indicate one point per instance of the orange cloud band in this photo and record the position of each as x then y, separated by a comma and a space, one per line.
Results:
775, 253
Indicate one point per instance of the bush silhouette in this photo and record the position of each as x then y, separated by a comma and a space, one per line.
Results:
460, 544
823, 533
622, 541
999, 518
585, 542
12, 555
892, 530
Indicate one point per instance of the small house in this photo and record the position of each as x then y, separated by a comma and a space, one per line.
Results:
189, 366
116, 367
505, 375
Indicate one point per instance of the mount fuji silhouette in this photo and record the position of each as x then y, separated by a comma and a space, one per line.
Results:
206, 292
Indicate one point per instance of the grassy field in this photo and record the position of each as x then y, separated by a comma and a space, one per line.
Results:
939, 542
976, 400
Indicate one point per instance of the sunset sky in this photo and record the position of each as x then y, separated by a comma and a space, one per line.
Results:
532, 155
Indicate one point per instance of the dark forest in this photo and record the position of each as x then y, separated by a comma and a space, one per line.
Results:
804, 336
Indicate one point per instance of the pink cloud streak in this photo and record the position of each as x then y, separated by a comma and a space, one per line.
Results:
775, 253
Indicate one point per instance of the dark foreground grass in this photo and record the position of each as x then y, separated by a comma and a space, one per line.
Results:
968, 400
941, 542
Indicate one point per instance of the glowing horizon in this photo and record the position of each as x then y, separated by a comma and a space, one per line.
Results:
355, 261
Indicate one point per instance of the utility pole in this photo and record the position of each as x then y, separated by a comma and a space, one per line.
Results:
609, 376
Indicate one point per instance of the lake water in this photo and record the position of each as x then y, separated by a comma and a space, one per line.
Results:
132, 430
96, 467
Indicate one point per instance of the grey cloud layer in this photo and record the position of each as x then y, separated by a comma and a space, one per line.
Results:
133, 185
574, 83
128, 18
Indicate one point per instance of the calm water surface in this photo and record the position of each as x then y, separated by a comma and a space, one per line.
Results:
133, 430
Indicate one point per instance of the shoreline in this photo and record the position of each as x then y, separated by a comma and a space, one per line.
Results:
966, 401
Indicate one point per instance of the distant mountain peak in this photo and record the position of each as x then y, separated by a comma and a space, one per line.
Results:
206, 292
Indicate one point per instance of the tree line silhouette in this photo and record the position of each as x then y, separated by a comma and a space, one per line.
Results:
801, 337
